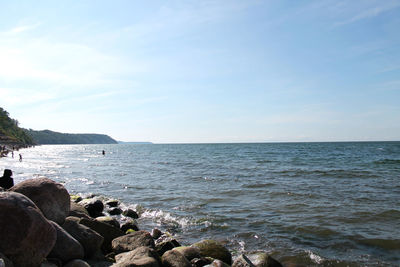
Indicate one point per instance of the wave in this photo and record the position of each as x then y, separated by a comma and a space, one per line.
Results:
387, 162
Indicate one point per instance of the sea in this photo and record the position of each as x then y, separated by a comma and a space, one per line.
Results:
311, 204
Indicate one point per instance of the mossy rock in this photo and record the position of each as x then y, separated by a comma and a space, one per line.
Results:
214, 249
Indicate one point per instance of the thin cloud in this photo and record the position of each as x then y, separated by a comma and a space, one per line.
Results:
371, 12
20, 29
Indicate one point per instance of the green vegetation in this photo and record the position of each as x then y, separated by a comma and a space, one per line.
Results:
49, 137
10, 133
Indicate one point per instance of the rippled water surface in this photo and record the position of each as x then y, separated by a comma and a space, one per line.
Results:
319, 204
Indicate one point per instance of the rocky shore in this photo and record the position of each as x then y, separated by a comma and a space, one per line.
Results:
41, 224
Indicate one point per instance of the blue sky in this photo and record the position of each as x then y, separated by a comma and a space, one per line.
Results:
204, 71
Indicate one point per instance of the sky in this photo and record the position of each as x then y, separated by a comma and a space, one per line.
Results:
204, 71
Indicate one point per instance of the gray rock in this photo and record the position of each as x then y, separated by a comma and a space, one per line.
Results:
173, 258
50, 197
156, 233
107, 231
130, 213
132, 241
66, 248
262, 259
110, 220
217, 263
164, 245
89, 239
77, 263
26, 236
200, 262
189, 252
141, 256
77, 210
214, 249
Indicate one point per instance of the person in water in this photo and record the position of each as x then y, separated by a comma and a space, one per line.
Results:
6, 181
104, 152
20, 157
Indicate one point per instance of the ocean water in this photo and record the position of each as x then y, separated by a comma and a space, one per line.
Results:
316, 204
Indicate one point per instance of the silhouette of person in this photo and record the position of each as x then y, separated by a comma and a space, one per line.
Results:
20, 157
104, 152
6, 181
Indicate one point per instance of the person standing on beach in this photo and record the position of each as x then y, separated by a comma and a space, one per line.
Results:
6, 181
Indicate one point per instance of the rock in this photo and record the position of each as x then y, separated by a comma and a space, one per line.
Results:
66, 248
50, 197
4, 261
132, 241
89, 239
217, 263
93, 206
189, 252
115, 211
213, 249
262, 259
130, 224
48, 264
141, 256
173, 258
242, 261
77, 263
200, 262
110, 220
75, 198
156, 233
26, 236
130, 213
164, 245
97, 263
107, 231
112, 203
77, 210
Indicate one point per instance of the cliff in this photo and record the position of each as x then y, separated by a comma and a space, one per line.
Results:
11, 134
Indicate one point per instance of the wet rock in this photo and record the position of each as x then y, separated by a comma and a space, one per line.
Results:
109, 220
50, 197
26, 236
200, 262
89, 239
173, 258
156, 233
130, 213
189, 252
130, 224
214, 249
242, 261
77, 263
217, 263
112, 203
132, 241
75, 198
107, 231
262, 259
5, 262
141, 256
66, 247
165, 244
93, 206
115, 211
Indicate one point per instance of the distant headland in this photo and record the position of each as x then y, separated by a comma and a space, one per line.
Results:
12, 135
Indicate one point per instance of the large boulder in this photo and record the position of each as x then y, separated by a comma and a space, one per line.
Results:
214, 249
77, 210
26, 237
66, 248
77, 263
90, 240
132, 241
50, 197
173, 258
141, 256
107, 231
